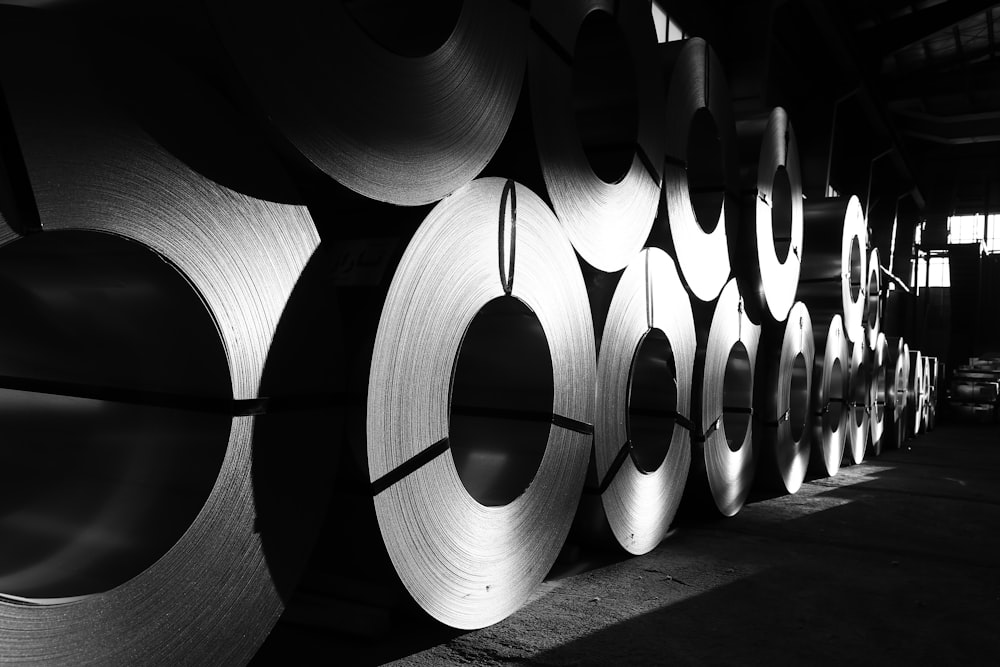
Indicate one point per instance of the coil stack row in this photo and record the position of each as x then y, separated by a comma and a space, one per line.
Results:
327, 297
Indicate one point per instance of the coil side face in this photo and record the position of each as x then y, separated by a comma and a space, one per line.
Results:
466, 563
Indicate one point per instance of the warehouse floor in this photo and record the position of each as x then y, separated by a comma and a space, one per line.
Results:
891, 561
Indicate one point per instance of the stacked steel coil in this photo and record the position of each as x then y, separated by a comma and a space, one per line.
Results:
274, 251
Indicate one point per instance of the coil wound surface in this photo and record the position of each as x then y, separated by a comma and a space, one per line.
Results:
896, 382
926, 403
768, 248
367, 103
468, 564
873, 300
644, 398
883, 376
598, 109
859, 380
210, 597
701, 170
935, 378
724, 377
785, 373
915, 392
830, 395
834, 262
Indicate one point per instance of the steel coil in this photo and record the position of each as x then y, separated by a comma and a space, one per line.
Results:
782, 430
767, 249
642, 439
899, 359
883, 376
133, 577
925, 406
403, 104
699, 205
915, 393
859, 379
830, 395
834, 264
722, 400
598, 113
873, 301
470, 523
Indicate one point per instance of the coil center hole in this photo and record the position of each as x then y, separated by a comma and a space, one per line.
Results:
798, 399
501, 402
859, 390
652, 401
781, 213
873, 296
737, 396
878, 393
101, 476
705, 170
835, 394
406, 28
605, 98
855, 264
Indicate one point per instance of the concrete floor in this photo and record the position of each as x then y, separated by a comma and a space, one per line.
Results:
890, 562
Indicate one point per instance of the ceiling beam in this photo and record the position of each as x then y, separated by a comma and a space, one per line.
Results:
835, 34
923, 84
882, 40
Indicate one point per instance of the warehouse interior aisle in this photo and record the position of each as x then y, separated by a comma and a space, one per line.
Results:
891, 561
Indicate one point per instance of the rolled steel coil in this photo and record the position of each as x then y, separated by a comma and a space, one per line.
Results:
598, 111
642, 439
830, 396
883, 376
784, 385
896, 381
928, 394
722, 400
834, 264
767, 249
472, 525
700, 202
212, 594
402, 104
859, 379
915, 393
873, 301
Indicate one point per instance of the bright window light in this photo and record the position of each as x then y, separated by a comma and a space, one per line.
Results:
965, 228
667, 29
660, 21
937, 267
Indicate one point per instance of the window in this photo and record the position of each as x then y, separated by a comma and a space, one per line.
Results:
667, 30
938, 269
966, 228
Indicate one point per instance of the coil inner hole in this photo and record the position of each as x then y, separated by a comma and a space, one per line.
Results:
835, 394
501, 402
873, 297
855, 268
101, 477
878, 394
859, 391
706, 174
737, 396
406, 28
781, 213
652, 400
605, 97
798, 397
